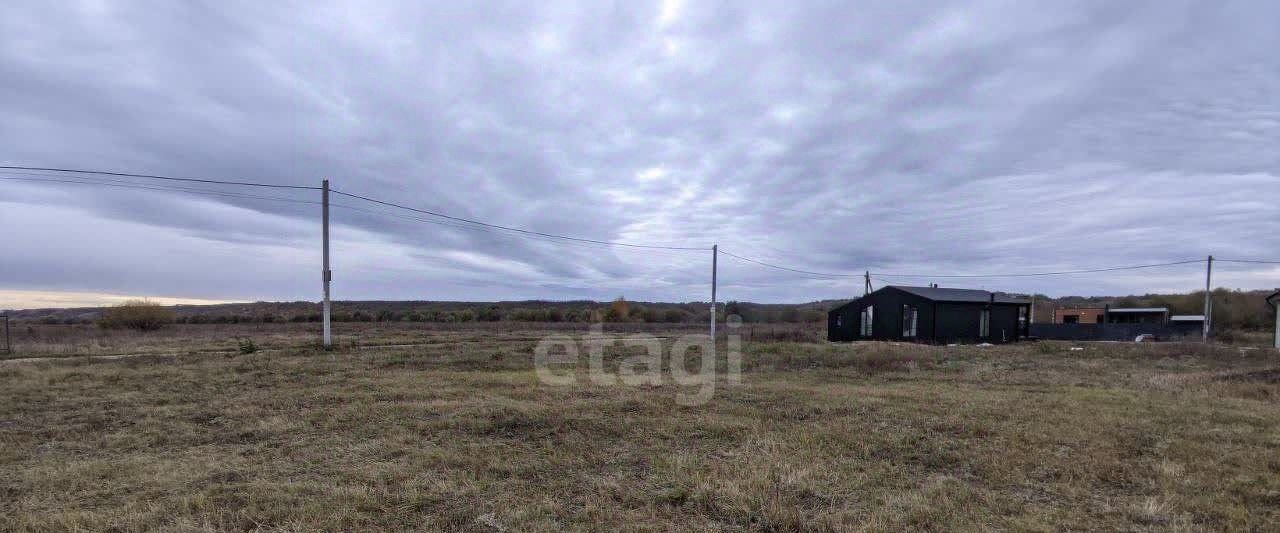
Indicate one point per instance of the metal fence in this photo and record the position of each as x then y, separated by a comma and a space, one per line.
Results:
1112, 332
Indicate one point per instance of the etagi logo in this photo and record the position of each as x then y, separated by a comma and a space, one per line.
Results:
557, 360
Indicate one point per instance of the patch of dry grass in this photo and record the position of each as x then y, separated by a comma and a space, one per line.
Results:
461, 436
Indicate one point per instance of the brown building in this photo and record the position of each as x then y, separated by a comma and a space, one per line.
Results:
1111, 315
1081, 315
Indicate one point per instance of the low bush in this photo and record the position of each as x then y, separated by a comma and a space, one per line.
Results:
142, 315
247, 346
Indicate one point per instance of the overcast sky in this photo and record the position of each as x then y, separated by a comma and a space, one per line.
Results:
942, 138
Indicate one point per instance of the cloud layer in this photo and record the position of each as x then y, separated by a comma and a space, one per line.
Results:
949, 138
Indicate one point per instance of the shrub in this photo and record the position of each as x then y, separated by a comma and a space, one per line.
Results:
142, 315
1049, 347
247, 346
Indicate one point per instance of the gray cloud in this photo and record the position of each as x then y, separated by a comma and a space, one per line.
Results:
946, 138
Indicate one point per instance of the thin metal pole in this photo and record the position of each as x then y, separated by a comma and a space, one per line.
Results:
327, 274
1208, 303
866, 285
715, 255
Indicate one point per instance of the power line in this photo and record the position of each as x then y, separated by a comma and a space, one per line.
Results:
517, 230
476, 224
1250, 261
485, 230
1038, 274
823, 275
157, 177
127, 185
828, 275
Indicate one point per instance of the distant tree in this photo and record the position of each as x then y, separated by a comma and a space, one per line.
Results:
618, 311
673, 316
732, 308
142, 315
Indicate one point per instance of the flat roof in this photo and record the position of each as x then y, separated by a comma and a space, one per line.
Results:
943, 294
1187, 318
1140, 310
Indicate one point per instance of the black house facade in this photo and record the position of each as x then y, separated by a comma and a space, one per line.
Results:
930, 315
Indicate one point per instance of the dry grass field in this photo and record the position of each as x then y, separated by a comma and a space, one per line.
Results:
450, 429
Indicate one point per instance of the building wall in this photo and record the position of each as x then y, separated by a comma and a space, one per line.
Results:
1136, 318
842, 323
886, 320
1111, 332
1087, 315
961, 323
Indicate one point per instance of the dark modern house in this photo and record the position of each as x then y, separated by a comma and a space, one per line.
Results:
930, 315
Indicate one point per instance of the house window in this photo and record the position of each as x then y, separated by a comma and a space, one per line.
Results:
840, 321
1071, 319
868, 313
984, 324
908, 321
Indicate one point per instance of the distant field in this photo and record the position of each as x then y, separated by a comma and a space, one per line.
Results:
450, 429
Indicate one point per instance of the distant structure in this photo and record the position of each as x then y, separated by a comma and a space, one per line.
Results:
1138, 315
1274, 300
1080, 315
931, 315
1118, 324
1112, 315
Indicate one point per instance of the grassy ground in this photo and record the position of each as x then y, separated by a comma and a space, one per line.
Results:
459, 434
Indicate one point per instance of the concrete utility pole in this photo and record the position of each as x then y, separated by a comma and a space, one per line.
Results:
327, 274
715, 254
1274, 300
1208, 302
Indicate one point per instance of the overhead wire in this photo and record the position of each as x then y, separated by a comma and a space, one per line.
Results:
517, 230
1247, 261
822, 275
129, 185
1039, 274
490, 231
160, 177
443, 219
